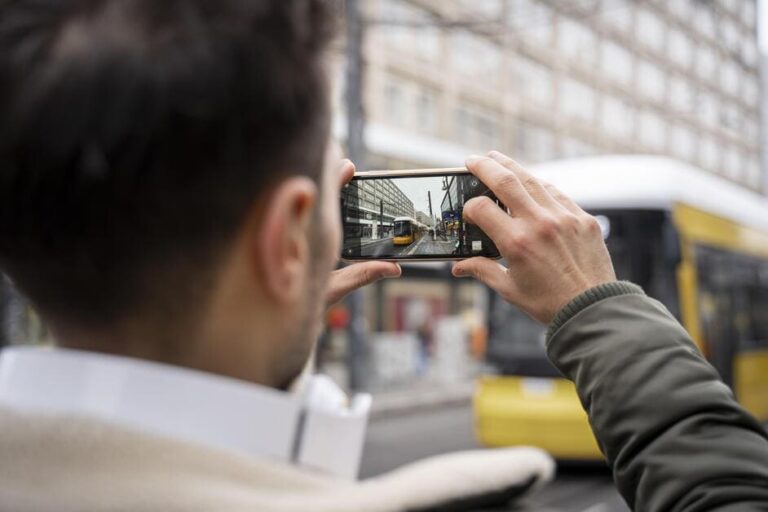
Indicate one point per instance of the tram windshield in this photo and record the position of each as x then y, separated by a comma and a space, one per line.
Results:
402, 228
644, 250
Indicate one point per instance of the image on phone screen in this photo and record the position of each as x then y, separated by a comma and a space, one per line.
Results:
413, 217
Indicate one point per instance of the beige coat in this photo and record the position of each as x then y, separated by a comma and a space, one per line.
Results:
57, 463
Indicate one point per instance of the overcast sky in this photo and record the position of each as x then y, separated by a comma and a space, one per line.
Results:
416, 190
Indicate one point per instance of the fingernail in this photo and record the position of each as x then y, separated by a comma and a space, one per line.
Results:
392, 272
473, 158
459, 272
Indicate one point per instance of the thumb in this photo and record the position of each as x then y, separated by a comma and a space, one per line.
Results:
355, 276
488, 271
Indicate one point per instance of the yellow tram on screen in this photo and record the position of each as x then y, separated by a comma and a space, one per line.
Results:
696, 242
407, 231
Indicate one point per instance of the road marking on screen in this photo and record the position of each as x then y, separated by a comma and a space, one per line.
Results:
599, 507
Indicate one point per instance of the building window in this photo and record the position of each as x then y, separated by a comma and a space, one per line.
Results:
651, 30
711, 154
572, 148
616, 63
748, 13
751, 129
681, 8
618, 117
704, 19
426, 111
489, 9
475, 55
652, 130
681, 49
707, 64
477, 127
487, 127
651, 81
731, 78
577, 42
681, 94
535, 143
707, 109
535, 81
620, 18
732, 163
754, 177
683, 142
732, 118
578, 100
532, 21
422, 42
749, 52
394, 102
730, 35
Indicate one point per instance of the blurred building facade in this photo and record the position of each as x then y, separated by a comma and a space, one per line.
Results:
544, 79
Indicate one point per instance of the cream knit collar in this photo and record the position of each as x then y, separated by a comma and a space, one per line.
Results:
313, 427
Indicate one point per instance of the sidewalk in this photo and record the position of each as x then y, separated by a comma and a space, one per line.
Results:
420, 395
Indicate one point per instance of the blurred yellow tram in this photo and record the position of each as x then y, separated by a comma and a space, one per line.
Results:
407, 230
696, 242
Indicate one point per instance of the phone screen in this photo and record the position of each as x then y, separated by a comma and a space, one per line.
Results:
412, 217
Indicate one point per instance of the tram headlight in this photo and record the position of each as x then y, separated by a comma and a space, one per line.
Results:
605, 225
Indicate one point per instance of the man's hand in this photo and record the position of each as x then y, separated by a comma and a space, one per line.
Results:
352, 277
555, 250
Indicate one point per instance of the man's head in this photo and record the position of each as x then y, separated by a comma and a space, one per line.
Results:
165, 175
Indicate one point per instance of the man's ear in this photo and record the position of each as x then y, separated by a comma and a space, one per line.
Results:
281, 238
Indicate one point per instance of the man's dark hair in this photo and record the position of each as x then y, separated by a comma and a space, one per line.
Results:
136, 134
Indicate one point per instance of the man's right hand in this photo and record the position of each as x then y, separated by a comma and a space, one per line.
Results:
555, 250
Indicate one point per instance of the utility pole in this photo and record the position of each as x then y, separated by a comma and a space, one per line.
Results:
429, 198
356, 332
381, 218
5, 312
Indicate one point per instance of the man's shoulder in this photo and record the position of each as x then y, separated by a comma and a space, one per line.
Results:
65, 463
72, 456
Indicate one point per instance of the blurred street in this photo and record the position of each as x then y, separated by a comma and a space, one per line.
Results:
399, 439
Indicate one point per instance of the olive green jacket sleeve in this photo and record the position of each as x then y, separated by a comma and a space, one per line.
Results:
672, 432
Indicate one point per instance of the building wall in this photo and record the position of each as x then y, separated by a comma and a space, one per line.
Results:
544, 79
367, 200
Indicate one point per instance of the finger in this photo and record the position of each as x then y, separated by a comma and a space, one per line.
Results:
568, 203
347, 171
533, 185
504, 183
488, 216
355, 276
485, 270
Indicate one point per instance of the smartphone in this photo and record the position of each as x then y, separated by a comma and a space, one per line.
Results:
412, 215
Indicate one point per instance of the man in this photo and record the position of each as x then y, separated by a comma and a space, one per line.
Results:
169, 203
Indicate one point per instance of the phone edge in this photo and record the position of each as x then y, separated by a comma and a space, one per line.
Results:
415, 173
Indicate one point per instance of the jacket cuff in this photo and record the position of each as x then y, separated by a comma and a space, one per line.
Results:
589, 297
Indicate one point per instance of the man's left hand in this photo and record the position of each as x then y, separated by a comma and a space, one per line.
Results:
352, 277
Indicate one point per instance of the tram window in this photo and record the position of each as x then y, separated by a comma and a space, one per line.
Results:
640, 246
758, 305
733, 305
637, 242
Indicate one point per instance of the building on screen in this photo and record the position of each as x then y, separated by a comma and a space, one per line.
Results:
372, 206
